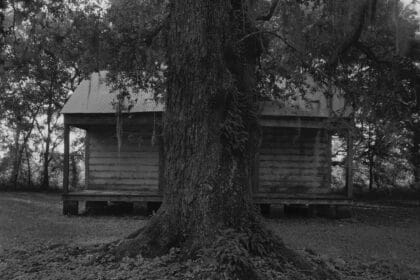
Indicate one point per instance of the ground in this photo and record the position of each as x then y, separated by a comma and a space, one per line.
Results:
37, 242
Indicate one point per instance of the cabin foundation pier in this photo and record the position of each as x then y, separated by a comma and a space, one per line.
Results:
94, 207
70, 207
308, 208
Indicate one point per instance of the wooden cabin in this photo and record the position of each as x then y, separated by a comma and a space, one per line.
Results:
293, 165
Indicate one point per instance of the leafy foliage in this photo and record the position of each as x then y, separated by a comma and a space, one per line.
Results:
45, 58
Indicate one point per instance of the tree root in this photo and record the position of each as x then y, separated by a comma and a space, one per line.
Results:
155, 239
250, 256
255, 253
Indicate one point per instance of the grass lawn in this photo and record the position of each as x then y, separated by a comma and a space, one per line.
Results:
376, 243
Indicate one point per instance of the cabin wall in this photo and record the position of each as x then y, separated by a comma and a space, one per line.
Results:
134, 168
294, 162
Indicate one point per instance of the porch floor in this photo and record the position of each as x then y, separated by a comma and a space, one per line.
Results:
138, 196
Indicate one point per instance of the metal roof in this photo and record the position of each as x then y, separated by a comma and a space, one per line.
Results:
94, 96
316, 100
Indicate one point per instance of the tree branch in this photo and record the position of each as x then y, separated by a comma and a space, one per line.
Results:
369, 53
270, 14
269, 33
150, 34
353, 38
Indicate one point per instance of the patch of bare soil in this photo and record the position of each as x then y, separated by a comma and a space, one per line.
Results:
37, 242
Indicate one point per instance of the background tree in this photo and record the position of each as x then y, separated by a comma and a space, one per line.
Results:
387, 78
45, 57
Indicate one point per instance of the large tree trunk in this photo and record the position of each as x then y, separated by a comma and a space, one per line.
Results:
209, 119
210, 137
209, 124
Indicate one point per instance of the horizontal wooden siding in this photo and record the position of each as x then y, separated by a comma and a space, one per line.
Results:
294, 162
134, 168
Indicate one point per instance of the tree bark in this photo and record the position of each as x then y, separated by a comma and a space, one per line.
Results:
208, 120
210, 126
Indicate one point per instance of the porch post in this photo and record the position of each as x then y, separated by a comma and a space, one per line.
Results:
66, 157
